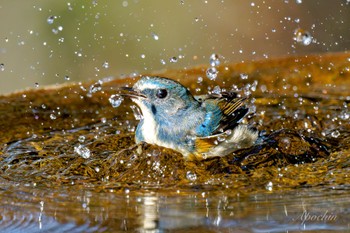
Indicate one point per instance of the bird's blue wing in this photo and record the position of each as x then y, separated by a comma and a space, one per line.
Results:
223, 112
233, 112
211, 120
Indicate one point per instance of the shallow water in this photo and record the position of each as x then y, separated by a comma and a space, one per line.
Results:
35, 209
68, 160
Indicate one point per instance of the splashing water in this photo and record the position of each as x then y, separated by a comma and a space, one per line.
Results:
137, 112
116, 100
105, 65
212, 73
95, 88
53, 116
51, 19
81, 138
217, 90
191, 176
243, 76
82, 151
302, 37
214, 59
173, 60
155, 36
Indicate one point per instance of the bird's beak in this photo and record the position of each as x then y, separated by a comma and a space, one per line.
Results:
130, 92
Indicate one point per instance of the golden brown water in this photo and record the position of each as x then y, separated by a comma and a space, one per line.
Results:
296, 179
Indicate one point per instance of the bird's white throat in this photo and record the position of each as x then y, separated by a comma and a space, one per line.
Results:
149, 128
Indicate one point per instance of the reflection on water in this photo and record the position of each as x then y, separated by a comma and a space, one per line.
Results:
41, 209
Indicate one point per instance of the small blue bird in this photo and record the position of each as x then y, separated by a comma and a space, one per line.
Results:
198, 127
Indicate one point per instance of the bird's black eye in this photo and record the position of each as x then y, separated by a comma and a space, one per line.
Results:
161, 93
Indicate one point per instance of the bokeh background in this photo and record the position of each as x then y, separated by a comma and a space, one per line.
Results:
46, 42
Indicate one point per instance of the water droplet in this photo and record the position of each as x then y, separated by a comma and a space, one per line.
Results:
125, 3
67, 77
212, 73
2, 67
51, 19
143, 56
214, 60
60, 28
216, 90
335, 134
43, 106
299, 1
199, 80
302, 37
116, 100
196, 19
53, 116
70, 8
36, 85
269, 186
345, 115
243, 76
81, 138
105, 65
191, 176
173, 59
136, 111
82, 151
97, 86
162, 61
254, 85
155, 36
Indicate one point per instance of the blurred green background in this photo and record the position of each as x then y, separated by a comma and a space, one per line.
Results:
49, 42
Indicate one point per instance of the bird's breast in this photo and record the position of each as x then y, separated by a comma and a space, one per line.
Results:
149, 128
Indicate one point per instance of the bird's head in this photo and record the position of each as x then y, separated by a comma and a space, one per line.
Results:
161, 97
